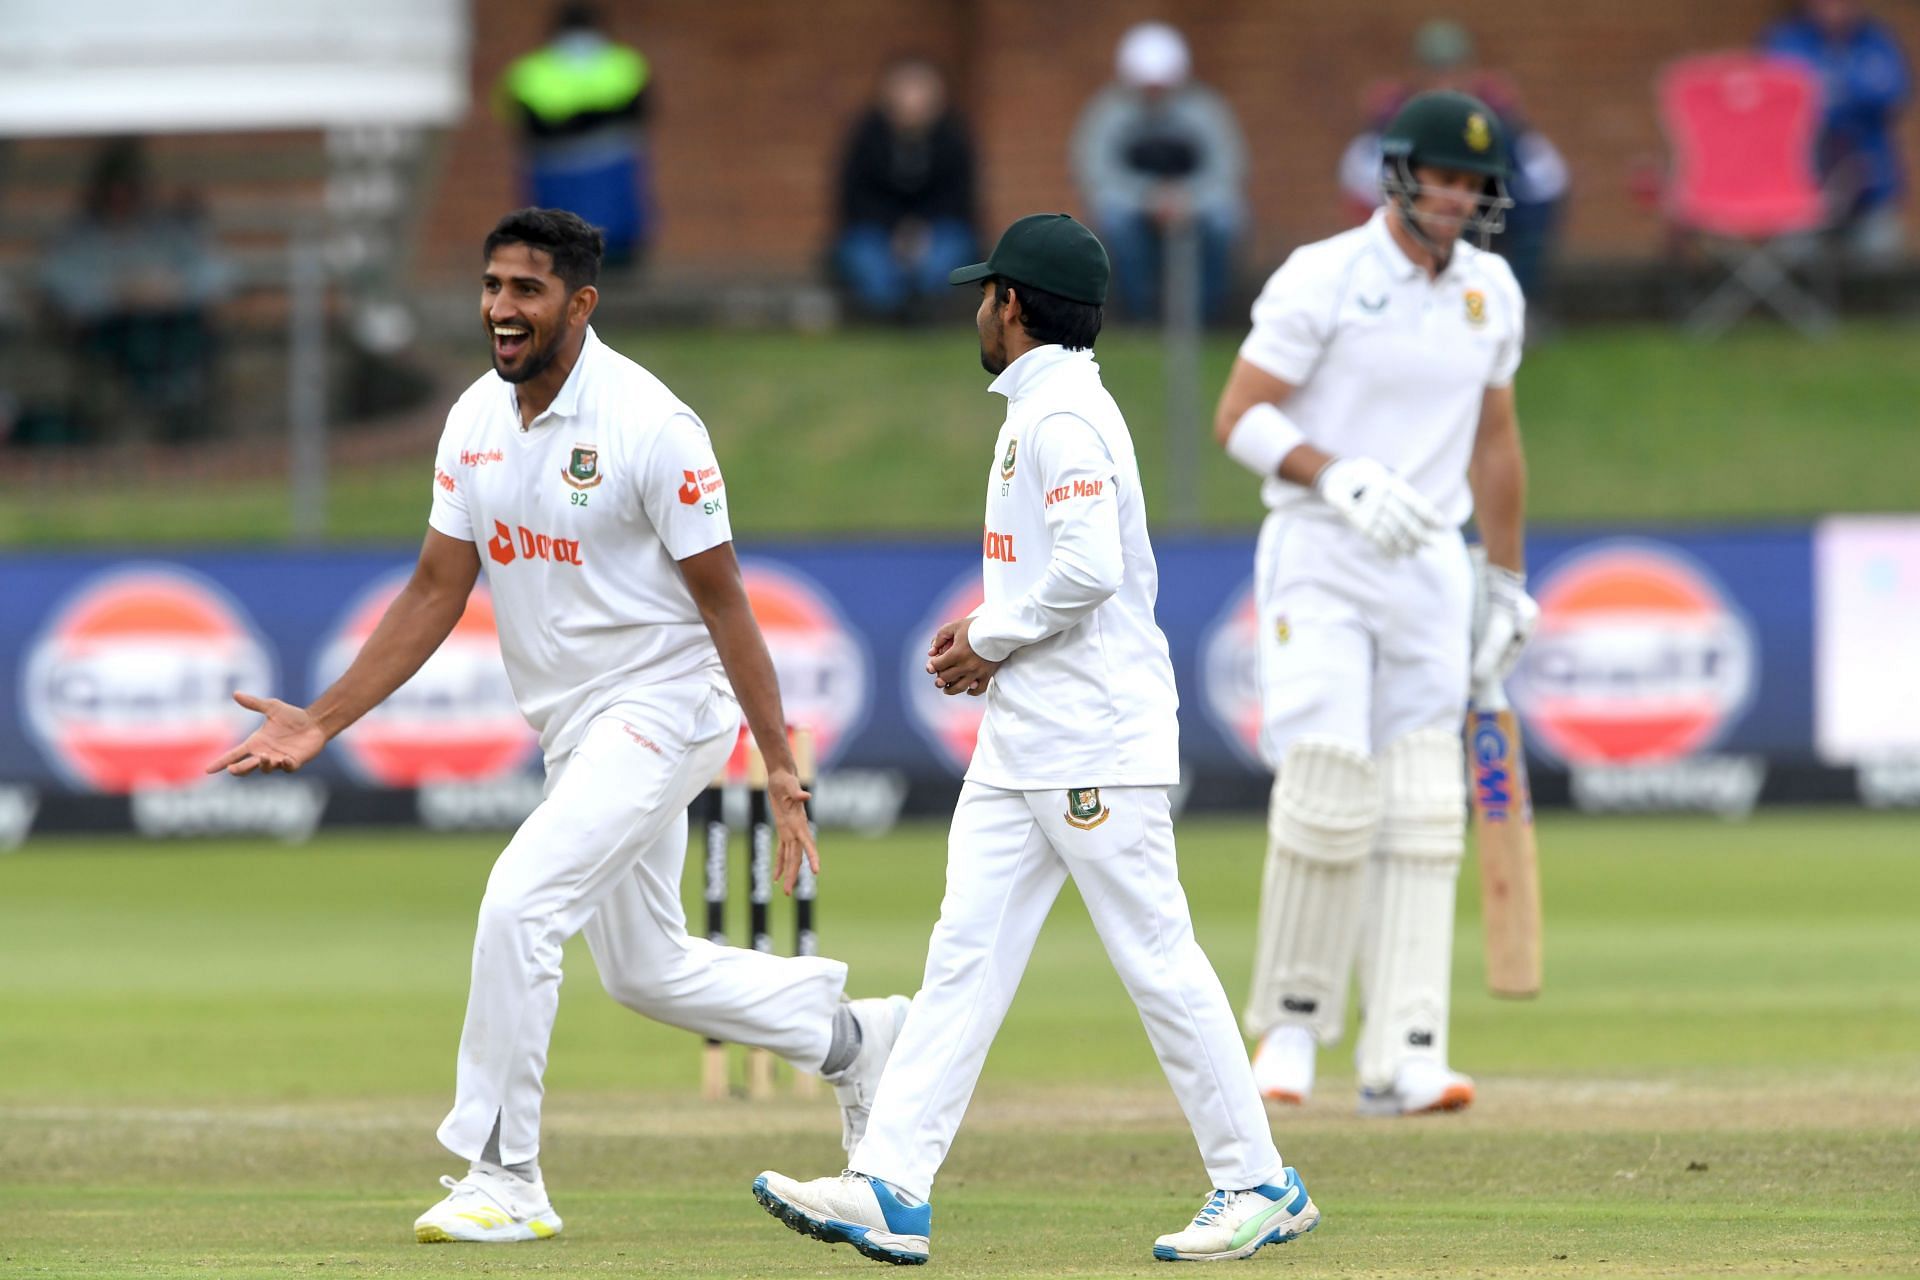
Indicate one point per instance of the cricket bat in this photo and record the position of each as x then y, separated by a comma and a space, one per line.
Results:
1503, 832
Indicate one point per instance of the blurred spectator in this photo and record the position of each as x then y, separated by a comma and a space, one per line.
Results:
580, 102
1866, 84
906, 195
1157, 152
132, 280
1444, 55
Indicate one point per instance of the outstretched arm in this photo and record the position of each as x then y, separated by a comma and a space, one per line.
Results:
413, 626
713, 578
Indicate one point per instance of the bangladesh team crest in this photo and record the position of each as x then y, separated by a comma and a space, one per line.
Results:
1085, 809
583, 470
1006, 463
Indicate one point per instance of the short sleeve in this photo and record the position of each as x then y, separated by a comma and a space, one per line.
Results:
682, 491
1506, 359
449, 513
1289, 324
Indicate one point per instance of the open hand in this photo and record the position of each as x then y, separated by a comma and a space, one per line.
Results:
288, 739
793, 834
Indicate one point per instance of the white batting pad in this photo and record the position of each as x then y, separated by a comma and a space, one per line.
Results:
1323, 818
1409, 961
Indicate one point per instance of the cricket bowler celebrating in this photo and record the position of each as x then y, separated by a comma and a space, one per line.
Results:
1374, 398
1070, 777
591, 496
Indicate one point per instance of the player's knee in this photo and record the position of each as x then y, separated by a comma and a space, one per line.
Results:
1326, 800
1424, 795
642, 993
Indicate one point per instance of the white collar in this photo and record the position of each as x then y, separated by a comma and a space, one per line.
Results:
1033, 368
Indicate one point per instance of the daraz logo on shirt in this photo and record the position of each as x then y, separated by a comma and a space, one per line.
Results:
505, 548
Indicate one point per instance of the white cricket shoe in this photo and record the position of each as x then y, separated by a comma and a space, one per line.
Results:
880, 1018
1235, 1224
489, 1208
1419, 1086
1283, 1065
850, 1209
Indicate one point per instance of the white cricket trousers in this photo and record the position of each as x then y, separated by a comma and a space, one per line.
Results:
603, 853
1008, 853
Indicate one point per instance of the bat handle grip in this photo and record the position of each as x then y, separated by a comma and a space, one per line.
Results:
1491, 696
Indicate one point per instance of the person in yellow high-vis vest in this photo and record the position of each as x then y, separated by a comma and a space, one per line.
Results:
580, 103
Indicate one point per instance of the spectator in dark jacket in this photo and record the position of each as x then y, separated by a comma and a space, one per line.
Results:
906, 195
1866, 85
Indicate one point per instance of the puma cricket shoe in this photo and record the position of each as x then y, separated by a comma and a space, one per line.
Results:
850, 1209
489, 1208
1283, 1065
880, 1020
1419, 1086
1236, 1224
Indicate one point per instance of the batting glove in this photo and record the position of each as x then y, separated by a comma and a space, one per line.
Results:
1386, 510
1511, 617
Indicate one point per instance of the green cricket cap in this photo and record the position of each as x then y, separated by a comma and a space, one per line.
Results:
1047, 251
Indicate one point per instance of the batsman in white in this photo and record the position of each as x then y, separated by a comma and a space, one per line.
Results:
591, 497
1070, 776
1374, 399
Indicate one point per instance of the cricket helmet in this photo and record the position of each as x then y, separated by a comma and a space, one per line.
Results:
1445, 129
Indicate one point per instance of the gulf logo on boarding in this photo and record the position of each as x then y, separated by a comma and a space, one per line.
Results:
1639, 657
131, 684
1230, 673
455, 720
821, 662
950, 724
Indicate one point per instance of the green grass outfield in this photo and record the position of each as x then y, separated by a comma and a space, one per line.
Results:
869, 432
228, 1060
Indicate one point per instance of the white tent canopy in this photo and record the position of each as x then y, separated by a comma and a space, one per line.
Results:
76, 67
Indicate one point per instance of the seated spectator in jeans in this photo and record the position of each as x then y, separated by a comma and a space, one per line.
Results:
1865, 84
133, 281
1157, 152
1538, 178
906, 196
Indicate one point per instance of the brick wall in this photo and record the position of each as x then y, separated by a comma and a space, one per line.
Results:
754, 96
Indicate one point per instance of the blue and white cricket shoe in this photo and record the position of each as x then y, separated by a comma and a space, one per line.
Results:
1235, 1224
850, 1209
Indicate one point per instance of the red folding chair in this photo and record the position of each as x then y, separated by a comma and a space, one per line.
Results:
1742, 128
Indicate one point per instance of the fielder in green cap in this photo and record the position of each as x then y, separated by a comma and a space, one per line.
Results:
1071, 774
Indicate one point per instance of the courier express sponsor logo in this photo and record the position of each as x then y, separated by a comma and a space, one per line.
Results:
522, 543
131, 684
693, 485
1639, 657
455, 719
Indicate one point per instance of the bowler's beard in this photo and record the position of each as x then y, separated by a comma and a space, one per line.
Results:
993, 362
537, 362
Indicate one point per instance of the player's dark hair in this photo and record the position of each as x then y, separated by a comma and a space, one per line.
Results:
574, 244
1048, 317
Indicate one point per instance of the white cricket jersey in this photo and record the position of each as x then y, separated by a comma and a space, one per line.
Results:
1086, 698
1389, 364
580, 518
